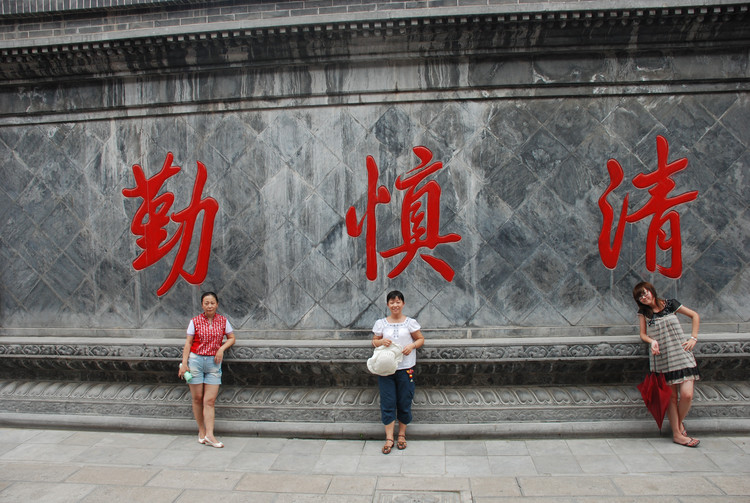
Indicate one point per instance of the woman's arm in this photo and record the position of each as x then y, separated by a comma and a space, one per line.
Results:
228, 344
377, 340
185, 356
696, 322
418, 342
644, 336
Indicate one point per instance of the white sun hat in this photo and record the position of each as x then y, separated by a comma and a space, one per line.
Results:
385, 359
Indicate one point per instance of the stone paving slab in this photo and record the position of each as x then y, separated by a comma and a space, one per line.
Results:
278, 483
120, 476
73, 466
196, 479
129, 494
674, 484
603, 487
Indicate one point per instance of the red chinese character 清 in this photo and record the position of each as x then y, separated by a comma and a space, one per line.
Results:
659, 184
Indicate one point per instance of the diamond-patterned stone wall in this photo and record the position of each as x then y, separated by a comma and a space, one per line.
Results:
520, 184
523, 141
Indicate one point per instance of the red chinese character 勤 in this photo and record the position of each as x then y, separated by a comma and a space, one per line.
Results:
152, 217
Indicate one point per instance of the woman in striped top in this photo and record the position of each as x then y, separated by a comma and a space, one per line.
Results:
202, 355
671, 352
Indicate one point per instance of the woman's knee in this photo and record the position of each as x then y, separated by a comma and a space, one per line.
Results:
686, 390
197, 398
686, 395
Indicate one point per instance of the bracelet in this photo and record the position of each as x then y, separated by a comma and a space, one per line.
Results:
694, 338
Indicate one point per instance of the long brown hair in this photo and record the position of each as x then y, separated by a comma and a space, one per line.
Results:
638, 290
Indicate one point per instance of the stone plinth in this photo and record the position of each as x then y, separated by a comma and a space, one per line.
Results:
479, 387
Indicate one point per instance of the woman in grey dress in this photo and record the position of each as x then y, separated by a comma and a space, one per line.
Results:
671, 352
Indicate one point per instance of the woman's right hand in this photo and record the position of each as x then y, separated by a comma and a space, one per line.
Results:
181, 371
655, 347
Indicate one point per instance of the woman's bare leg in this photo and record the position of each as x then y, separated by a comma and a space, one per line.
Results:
389, 437
674, 416
196, 392
401, 442
686, 401
210, 392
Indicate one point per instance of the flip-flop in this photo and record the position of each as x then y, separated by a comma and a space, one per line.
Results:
401, 444
216, 444
387, 448
201, 440
693, 442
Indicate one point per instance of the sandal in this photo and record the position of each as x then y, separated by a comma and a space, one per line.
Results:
401, 444
216, 444
692, 442
387, 447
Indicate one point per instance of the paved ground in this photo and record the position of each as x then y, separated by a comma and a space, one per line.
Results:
63, 465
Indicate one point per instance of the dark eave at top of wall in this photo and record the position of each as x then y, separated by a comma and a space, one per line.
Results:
455, 32
29, 9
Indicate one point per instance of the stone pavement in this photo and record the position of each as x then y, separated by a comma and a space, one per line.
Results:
88, 466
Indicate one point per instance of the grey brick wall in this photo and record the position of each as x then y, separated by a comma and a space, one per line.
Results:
44, 22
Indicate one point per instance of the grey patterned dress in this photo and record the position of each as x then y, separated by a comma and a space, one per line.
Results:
674, 362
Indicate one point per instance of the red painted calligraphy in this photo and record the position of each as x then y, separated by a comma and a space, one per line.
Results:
152, 217
659, 184
420, 225
375, 195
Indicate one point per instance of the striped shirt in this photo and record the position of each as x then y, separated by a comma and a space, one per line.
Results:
208, 336
674, 361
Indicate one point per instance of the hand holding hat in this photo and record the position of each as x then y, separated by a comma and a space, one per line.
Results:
385, 359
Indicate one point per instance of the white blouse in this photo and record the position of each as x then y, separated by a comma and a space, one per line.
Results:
400, 333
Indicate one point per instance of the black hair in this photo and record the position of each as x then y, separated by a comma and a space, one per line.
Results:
395, 294
638, 290
206, 294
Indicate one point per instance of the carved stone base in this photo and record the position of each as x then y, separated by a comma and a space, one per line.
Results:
354, 412
465, 388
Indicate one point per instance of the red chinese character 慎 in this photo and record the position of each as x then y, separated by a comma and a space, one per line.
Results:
152, 217
420, 227
375, 195
658, 207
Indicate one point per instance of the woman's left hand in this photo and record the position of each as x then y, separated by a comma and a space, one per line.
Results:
407, 349
219, 356
689, 344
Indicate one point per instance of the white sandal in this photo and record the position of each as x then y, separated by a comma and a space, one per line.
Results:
217, 444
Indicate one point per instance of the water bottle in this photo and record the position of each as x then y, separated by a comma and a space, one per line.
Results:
187, 375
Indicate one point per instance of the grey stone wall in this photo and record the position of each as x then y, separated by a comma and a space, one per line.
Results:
522, 113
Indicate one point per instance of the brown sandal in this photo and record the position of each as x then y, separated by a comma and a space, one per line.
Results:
401, 444
387, 447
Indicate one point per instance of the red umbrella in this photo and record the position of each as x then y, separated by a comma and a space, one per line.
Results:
656, 394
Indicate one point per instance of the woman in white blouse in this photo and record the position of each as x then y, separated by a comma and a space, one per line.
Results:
397, 390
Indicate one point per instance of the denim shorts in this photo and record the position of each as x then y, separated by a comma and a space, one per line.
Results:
204, 369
